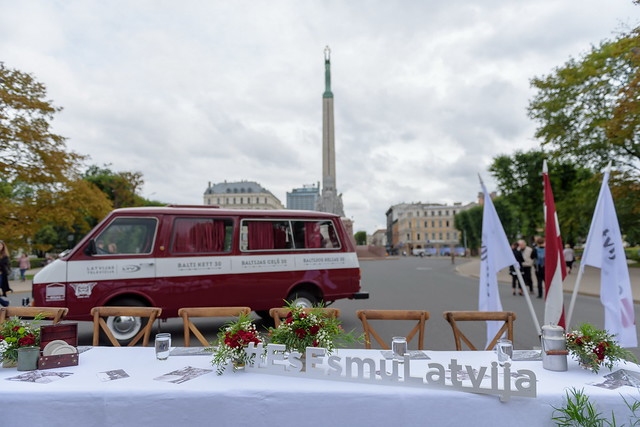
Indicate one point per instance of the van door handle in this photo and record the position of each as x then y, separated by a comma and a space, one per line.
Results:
150, 264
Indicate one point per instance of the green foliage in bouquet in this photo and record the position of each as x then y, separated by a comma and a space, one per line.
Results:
16, 333
312, 328
594, 348
233, 338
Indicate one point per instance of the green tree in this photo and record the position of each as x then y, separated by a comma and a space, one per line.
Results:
626, 194
469, 223
120, 187
588, 110
39, 183
519, 179
360, 237
521, 206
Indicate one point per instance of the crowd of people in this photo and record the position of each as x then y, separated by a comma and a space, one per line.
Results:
531, 262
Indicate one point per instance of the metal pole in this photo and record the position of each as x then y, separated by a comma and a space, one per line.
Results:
529, 304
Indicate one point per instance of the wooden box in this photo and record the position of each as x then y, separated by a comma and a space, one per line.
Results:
67, 332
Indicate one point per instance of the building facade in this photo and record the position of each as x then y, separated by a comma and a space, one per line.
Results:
305, 198
240, 195
378, 238
423, 225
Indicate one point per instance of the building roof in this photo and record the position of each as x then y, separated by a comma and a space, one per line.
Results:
238, 187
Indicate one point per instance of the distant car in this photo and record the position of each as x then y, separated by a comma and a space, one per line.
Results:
460, 251
422, 252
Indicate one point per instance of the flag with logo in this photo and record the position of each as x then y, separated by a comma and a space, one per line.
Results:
604, 250
495, 255
555, 269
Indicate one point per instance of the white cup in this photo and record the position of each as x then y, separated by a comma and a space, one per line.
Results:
399, 347
504, 349
163, 345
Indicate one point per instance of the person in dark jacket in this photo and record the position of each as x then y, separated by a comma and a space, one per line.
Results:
514, 274
539, 265
528, 259
5, 268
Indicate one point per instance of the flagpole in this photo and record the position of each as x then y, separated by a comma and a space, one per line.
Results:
529, 304
574, 295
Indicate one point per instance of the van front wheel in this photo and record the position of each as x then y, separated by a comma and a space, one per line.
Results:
302, 299
125, 328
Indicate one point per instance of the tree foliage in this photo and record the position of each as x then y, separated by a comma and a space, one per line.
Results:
519, 177
120, 187
520, 183
588, 110
469, 222
360, 237
39, 183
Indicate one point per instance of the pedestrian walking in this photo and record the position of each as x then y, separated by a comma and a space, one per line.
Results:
24, 264
569, 257
514, 275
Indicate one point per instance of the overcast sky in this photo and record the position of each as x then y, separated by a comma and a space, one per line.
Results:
426, 92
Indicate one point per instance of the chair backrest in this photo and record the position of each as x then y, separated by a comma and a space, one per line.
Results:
507, 317
49, 313
188, 312
419, 316
280, 313
99, 313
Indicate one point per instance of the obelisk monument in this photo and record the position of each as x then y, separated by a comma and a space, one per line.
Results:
329, 200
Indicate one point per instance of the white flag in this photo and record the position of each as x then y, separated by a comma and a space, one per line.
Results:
604, 250
496, 254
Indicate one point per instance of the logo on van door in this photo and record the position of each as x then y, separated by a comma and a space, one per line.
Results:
83, 290
130, 268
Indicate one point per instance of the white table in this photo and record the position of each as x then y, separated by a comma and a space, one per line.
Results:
247, 398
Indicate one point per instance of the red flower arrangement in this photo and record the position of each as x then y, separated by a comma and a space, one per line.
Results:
595, 347
15, 333
300, 330
232, 340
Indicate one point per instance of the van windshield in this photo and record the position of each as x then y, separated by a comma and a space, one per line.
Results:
127, 236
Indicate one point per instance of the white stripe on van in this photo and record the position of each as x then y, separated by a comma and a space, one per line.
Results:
140, 268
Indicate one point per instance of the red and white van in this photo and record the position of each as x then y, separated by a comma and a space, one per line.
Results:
194, 256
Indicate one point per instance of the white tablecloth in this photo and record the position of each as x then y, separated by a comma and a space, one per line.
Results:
248, 398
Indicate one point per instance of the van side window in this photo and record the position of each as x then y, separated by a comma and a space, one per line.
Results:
127, 236
315, 235
201, 235
259, 235
284, 235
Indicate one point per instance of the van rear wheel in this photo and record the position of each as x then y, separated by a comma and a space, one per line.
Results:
302, 299
125, 328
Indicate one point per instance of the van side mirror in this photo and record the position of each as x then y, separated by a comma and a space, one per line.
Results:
91, 248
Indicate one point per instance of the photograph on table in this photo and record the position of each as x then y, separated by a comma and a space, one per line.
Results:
183, 375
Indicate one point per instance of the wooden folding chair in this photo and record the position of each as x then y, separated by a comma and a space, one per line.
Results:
49, 313
189, 312
453, 317
418, 315
280, 313
99, 313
